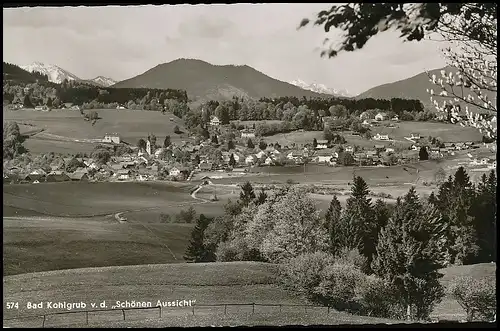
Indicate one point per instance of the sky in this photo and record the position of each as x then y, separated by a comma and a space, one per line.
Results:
121, 42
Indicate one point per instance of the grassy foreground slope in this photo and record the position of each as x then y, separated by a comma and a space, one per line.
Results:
208, 284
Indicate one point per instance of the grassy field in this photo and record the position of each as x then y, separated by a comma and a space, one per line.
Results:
445, 131
94, 199
297, 137
394, 175
32, 245
63, 127
207, 283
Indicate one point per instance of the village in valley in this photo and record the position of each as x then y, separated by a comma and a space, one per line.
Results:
183, 160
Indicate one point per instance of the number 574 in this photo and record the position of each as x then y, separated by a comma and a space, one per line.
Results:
12, 305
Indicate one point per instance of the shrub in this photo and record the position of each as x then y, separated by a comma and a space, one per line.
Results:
351, 256
236, 250
302, 274
338, 284
378, 299
186, 216
476, 296
165, 218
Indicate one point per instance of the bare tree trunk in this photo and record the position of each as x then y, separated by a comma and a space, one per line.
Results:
408, 312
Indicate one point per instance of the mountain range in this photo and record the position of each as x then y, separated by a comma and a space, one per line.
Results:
57, 74
205, 81
416, 88
320, 88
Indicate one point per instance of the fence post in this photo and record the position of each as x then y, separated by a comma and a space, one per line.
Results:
305, 309
193, 310
43, 323
280, 308
328, 310
123, 310
160, 312
87, 317
225, 309
253, 308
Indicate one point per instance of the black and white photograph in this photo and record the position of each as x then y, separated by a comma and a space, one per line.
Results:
249, 164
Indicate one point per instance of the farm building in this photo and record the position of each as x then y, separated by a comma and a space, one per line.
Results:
247, 134
380, 117
251, 159
415, 136
57, 176
123, 174
322, 144
79, 176
379, 136
112, 138
206, 166
214, 121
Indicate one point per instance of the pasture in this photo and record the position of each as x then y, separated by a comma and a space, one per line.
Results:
50, 226
207, 283
297, 137
445, 131
69, 127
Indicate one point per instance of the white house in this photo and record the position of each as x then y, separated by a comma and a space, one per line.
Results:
247, 134
268, 161
414, 147
260, 154
123, 174
379, 136
395, 118
111, 138
380, 116
120, 107
250, 159
174, 172
415, 136
389, 150
294, 155
323, 159
214, 121
349, 149
366, 122
158, 152
322, 144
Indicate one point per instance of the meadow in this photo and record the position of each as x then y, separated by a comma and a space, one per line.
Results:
66, 130
445, 131
207, 283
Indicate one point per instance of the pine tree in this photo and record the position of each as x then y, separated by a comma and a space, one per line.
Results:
315, 142
247, 194
250, 143
261, 198
196, 251
167, 142
423, 154
332, 222
230, 145
358, 225
484, 210
232, 161
215, 140
410, 251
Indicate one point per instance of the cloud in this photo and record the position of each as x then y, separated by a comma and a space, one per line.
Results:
205, 27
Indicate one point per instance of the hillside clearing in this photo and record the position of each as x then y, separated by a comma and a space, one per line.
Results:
207, 283
69, 125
